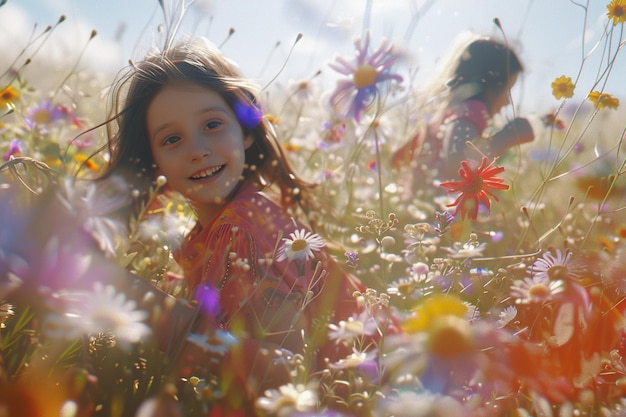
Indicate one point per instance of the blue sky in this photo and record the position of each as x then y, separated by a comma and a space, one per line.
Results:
548, 34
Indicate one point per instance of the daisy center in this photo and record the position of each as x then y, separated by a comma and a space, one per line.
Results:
364, 76
406, 288
298, 245
42, 117
618, 11
557, 272
539, 291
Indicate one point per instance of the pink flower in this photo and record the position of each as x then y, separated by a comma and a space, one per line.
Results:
15, 148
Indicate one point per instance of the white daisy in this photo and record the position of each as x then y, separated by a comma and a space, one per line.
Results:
536, 290
218, 343
288, 400
352, 361
347, 331
100, 310
300, 246
556, 267
506, 315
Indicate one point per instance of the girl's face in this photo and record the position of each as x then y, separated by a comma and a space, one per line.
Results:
502, 99
197, 144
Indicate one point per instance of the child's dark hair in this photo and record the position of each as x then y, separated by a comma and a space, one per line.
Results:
484, 67
199, 62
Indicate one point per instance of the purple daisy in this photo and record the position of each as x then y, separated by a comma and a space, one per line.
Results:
352, 96
43, 114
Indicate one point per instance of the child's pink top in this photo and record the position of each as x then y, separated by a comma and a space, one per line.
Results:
237, 255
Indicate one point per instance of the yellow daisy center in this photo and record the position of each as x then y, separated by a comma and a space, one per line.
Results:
618, 11
364, 76
540, 291
42, 117
406, 288
298, 245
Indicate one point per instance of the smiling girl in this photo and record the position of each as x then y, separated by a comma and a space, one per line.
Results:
187, 115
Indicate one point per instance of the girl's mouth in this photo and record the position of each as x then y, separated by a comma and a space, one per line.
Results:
207, 173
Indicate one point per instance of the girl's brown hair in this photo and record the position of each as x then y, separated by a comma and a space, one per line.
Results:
199, 62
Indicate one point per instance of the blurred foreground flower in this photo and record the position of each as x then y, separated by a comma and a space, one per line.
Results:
351, 97
101, 310
562, 87
92, 205
603, 100
474, 187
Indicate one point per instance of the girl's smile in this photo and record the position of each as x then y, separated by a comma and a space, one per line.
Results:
197, 144
207, 173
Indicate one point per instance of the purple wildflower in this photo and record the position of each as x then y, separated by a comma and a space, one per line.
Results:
43, 114
352, 96
15, 148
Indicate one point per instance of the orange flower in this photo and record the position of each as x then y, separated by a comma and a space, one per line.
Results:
474, 187
562, 87
617, 11
602, 100
8, 95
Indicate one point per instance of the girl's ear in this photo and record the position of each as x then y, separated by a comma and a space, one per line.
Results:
248, 141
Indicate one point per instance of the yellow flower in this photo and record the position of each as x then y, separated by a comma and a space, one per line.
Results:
562, 87
89, 162
430, 309
291, 147
602, 100
617, 11
8, 95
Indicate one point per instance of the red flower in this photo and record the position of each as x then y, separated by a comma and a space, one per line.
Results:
474, 187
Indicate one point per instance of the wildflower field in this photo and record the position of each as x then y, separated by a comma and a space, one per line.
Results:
509, 281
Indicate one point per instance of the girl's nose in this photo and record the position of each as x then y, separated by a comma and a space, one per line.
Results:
200, 149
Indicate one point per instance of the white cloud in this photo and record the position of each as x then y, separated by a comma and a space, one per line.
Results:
58, 48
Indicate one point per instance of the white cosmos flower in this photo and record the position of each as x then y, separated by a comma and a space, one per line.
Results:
347, 331
507, 315
219, 342
100, 310
300, 246
288, 400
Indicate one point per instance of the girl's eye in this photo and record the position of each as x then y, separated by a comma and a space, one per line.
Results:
213, 124
171, 139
